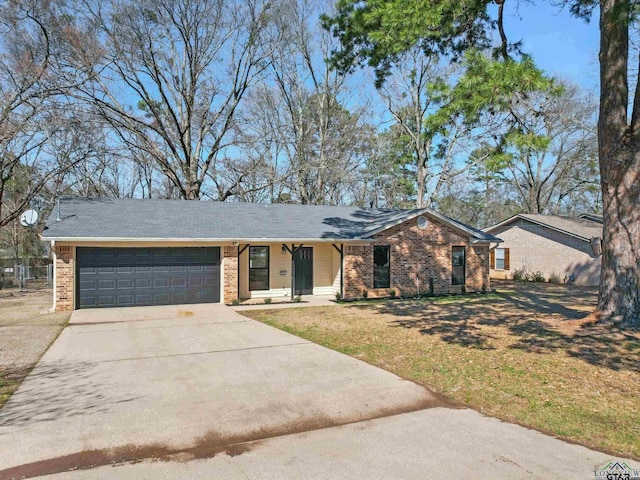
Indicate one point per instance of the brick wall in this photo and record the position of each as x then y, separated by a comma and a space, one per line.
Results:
536, 248
64, 278
419, 257
230, 266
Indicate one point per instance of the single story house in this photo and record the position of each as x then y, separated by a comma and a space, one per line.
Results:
567, 248
127, 252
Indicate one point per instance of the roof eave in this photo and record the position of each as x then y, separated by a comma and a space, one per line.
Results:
432, 213
542, 224
200, 240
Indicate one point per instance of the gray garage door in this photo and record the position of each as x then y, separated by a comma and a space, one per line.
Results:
125, 277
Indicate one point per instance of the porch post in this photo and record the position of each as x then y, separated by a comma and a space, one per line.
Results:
341, 252
292, 251
342, 271
293, 270
240, 250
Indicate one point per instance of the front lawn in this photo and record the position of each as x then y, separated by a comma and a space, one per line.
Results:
523, 355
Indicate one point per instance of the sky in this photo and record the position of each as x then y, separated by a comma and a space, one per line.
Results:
559, 43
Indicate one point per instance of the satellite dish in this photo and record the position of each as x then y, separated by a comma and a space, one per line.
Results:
29, 218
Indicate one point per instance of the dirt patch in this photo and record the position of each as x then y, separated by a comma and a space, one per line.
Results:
27, 330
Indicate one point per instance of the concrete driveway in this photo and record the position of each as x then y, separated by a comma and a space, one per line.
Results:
142, 382
214, 394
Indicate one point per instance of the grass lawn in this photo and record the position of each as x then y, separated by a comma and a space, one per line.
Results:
522, 354
25, 334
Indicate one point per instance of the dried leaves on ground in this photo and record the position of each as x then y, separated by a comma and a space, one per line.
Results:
527, 354
26, 331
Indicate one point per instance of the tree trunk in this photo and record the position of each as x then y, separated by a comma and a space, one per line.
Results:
619, 295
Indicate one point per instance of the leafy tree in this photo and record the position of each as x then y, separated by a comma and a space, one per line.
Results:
388, 175
376, 32
417, 81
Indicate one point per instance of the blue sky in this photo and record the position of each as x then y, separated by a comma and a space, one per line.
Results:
560, 44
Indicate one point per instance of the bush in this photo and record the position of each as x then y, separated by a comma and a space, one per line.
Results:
365, 293
554, 278
537, 277
463, 289
297, 299
338, 297
235, 301
267, 301
525, 274
519, 274
392, 293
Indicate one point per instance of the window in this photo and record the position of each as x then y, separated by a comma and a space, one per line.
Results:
500, 259
458, 263
381, 270
258, 268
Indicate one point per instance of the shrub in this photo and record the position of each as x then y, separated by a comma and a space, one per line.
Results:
463, 289
365, 293
525, 274
267, 301
537, 277
297, 299
519, 274
235, 301
392, 293
338, 297
554, 278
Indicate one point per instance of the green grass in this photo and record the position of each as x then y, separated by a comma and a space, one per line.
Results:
510, 355
7, 387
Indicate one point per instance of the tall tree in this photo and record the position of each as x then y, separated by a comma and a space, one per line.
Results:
313, 121
171, 78
38, 45
376, 32
619, 154
408, 97
564, 159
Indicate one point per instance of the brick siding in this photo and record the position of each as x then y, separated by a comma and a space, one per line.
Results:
539, 249
419, 257
230, 266
64, 278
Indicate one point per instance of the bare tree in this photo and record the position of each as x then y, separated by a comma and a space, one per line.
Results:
171, 79
38, 45
563, 161
313, 123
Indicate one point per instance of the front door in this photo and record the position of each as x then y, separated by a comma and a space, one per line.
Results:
458, 266
304, 271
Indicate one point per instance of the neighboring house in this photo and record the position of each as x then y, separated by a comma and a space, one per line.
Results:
566, 247
126, 252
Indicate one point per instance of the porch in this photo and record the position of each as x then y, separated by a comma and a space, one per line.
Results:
270, 270
285, 302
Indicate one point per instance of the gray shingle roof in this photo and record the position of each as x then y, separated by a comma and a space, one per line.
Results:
100, 218
583, 228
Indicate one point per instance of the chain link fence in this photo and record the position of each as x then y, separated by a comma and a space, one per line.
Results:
26, 276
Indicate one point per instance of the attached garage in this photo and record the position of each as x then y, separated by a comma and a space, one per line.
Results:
127, 277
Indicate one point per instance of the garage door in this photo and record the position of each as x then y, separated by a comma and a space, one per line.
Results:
126, 277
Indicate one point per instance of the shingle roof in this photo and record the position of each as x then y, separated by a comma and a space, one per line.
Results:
582, 228
100, 218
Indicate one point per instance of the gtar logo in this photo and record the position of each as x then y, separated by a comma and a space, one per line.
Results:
617, 471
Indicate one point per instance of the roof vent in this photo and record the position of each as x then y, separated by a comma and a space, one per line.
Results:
422, 222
